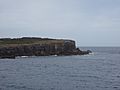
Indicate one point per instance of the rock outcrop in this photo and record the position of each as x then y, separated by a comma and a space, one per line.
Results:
11, 48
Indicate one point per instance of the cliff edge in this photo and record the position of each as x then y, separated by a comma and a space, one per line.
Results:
33, 46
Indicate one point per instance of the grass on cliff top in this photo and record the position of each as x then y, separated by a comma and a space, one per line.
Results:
28, 41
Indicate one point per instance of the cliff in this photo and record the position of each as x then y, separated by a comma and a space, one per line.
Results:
31, 46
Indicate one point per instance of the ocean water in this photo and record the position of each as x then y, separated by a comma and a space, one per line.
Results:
97, 71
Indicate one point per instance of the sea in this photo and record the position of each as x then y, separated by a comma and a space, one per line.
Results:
99, 70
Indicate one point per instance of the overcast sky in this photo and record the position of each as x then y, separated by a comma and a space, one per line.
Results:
88, 22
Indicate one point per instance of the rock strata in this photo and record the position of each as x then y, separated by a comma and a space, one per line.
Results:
11, 48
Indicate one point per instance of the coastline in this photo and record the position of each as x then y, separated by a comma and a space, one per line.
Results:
34, 46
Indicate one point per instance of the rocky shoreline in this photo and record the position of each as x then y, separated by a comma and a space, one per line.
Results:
11, 48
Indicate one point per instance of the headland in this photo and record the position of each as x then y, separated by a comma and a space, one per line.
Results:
35, 46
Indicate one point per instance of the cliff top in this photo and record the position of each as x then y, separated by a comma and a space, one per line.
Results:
29, 41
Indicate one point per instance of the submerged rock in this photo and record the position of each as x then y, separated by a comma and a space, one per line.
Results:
11, 48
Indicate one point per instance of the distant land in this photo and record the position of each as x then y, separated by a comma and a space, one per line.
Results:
35, 46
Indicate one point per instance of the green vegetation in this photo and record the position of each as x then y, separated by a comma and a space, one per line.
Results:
28, 40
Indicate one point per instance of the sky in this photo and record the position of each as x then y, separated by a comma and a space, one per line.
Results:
88, 22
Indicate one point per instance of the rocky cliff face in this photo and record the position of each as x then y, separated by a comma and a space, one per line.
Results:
43, 47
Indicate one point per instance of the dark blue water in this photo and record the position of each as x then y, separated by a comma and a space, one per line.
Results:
98, 71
